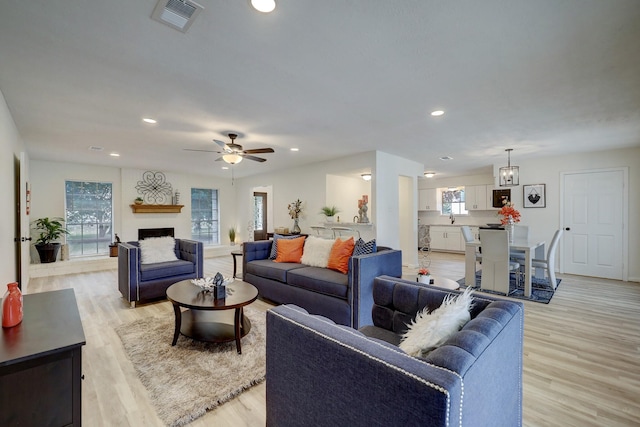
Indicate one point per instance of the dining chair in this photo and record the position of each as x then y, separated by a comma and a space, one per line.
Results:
496, 265
520, 232
468, 238
549, 264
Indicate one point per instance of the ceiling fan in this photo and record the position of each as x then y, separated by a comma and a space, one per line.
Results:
233, 153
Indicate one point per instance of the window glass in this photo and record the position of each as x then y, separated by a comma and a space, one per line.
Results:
204, 216
89, 217
453, 201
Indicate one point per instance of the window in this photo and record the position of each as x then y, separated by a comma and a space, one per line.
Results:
204, 216
89, 217
453, 201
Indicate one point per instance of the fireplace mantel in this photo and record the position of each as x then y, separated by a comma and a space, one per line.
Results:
156, 208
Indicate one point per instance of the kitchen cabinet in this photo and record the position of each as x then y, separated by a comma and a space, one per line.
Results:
478, 197
427, 200
445, 238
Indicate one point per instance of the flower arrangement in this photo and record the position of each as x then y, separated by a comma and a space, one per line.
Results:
295, 209
508, 211
423, 272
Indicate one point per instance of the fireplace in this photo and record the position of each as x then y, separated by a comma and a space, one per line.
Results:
144, 233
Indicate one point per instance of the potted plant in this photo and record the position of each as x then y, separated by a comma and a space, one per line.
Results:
329, 212
138, 200
50, 230
424, 276
232, 235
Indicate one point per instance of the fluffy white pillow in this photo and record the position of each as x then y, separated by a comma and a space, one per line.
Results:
157, 249
316, 251
430, 330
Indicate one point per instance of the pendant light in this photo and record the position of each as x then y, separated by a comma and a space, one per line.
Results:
509, 175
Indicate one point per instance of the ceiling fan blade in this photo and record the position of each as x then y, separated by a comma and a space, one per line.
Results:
218, 159
257, 159
259, 150
223, 146
205, 151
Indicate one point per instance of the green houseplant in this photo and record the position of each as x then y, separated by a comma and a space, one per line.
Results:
329, 212
232, 235
50, 230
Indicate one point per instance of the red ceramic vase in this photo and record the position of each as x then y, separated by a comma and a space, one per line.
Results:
12, 306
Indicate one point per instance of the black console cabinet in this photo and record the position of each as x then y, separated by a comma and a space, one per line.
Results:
41, 363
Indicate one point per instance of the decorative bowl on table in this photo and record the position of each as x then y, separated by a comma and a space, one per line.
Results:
207, 283
494, 225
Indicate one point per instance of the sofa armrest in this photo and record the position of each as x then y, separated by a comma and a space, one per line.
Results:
320, 373
192, 251
363, 269
128, 270
252, 251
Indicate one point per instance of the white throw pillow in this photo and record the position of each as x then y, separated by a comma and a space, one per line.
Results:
316, 251
157, 249
430, 330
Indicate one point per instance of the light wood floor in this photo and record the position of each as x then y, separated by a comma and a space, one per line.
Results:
581, 353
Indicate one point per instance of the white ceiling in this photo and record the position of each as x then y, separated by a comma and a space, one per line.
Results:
332, 77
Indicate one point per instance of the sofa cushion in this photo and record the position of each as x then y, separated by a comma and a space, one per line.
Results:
272, 270
363, 248
381, 334
290, 250
430, 330
321, 280
274, 247
157, 249
166, 269
316, 251
340, 254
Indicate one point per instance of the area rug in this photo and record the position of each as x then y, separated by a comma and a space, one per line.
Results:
541, 291
187, 380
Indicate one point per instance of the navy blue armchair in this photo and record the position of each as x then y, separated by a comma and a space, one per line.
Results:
140, 282
323, 374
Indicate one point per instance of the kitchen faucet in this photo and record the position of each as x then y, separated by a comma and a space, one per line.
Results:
452, 218
355, 219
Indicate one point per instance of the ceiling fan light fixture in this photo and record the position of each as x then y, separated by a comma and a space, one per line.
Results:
509, 175
264, 6
232, 158
366, 176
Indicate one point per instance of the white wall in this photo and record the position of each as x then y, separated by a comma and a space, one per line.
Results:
10, 147
544, 221
48, 196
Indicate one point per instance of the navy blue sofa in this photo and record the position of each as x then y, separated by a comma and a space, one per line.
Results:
344, 298
141, 282
323, 374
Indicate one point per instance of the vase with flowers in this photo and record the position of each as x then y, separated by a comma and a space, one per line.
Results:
510, 216
424, 276
295, 211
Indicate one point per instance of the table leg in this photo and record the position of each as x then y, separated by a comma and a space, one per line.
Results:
527, 272
539, 254
235, 263
237, 323
176, 332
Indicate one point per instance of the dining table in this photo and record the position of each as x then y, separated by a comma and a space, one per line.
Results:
533, 249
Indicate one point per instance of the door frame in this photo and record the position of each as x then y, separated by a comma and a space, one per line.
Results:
625, 215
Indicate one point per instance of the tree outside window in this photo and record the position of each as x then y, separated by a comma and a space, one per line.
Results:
453, 201
89, 217
204, 216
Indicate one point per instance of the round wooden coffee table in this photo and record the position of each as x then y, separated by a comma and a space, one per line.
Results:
207, 318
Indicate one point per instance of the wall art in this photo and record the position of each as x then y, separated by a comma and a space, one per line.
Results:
534, 196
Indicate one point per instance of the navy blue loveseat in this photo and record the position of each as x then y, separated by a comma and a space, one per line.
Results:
139, 282
344, 298
323, 374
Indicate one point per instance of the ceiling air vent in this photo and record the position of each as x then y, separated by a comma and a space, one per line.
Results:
178, 14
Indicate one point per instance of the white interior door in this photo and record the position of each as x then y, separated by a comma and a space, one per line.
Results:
25, 239
594, 216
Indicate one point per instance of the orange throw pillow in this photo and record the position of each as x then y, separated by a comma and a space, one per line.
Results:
290, 250
340, 254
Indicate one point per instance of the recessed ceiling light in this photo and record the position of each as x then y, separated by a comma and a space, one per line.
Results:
95, 148
294, 149
446, 158
114, 154
225, 168
265, 6
437, 113
429, 174
149, 120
